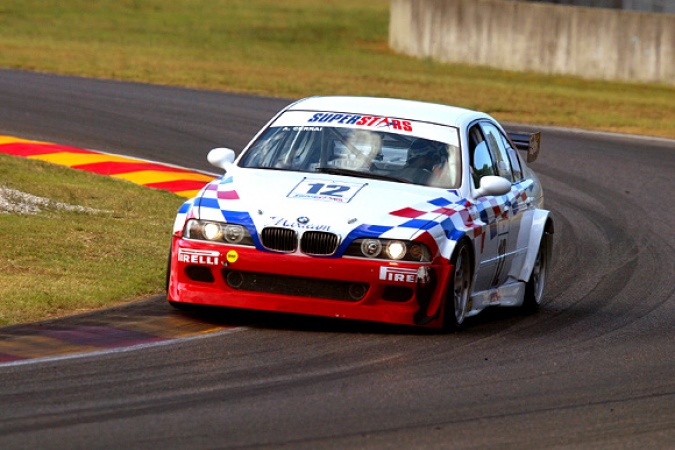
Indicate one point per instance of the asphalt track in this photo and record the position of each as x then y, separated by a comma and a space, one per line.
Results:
595, 368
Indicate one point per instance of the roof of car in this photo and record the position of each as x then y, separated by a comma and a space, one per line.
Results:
390, 107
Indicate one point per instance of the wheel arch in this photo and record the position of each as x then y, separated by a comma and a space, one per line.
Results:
451, 245
542, 228
446, 307
472, 254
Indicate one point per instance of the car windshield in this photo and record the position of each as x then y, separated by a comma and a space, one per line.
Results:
357, 152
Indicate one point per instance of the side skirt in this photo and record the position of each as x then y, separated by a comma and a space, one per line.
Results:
511, 294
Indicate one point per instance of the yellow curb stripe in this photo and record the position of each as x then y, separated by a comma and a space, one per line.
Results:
78, 159
40, 346
15, 140
187, 194
156, 176
143, 177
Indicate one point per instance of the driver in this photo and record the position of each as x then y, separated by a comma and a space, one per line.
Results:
426, 162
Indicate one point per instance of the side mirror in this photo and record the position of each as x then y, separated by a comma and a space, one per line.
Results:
493, 185
221, 157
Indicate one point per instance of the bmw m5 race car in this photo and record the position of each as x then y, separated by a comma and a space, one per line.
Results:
372, 209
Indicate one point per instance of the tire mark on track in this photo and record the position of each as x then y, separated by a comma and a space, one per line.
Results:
604, 243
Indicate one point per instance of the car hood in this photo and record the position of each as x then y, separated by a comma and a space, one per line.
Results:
338, 204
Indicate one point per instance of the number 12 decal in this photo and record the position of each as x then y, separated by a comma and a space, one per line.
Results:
326, 191
330, 189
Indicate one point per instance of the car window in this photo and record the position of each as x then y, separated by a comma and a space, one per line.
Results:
496, 143
513, 156
364, 153
482, 162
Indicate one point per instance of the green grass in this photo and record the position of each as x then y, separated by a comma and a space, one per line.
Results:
300, 48
61, 262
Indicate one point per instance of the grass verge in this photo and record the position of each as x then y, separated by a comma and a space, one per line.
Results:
301, 48
60, 262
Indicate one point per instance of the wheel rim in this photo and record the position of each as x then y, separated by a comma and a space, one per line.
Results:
461, 286
539, 273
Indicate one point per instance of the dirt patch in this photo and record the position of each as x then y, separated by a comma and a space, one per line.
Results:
17, 202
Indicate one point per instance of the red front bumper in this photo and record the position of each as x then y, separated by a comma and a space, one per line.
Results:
351, 288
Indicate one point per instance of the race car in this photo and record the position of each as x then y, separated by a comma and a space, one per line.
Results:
373, 209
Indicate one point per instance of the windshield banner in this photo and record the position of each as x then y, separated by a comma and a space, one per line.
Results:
309, 119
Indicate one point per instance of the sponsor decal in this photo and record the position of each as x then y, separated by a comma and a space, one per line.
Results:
326, 190
398, 274
232, 256
360, 120
300, 225
204, 257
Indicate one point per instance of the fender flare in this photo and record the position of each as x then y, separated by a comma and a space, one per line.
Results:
542, 228
451, 244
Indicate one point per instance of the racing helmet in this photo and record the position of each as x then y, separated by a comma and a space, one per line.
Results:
427, 154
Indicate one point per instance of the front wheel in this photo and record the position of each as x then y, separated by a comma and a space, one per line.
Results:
457, 300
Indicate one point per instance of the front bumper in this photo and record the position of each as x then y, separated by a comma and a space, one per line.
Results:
351, 288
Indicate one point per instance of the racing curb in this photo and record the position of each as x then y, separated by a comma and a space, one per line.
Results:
133, 325
182, 182
152, 321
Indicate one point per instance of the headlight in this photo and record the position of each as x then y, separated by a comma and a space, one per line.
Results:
419, 252
371, 248
212, 231
395, 249
389, 249
217, 232
234, 234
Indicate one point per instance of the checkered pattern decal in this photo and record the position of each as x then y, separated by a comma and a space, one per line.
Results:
440, 217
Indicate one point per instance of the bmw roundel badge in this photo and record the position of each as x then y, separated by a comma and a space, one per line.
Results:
303, 220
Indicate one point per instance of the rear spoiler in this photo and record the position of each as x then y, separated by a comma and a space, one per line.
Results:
529, 142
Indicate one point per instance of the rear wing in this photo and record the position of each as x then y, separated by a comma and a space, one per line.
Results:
529, 142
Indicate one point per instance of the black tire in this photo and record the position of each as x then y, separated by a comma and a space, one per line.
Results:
459, 292
184, 306
534, 289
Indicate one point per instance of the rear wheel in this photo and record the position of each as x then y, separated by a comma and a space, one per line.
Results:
534, 290
457, 300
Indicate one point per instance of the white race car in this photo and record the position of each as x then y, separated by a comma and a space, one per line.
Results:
372, 209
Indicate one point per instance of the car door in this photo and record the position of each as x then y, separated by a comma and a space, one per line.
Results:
511, 206
489, 211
